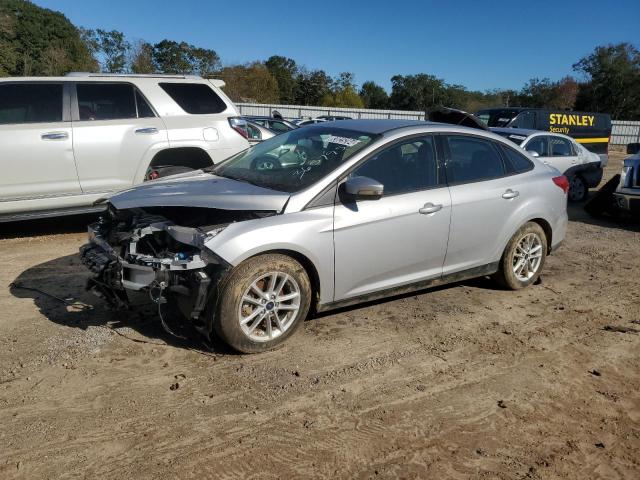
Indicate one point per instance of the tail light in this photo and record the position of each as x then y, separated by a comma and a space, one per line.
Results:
239, 125
562, 182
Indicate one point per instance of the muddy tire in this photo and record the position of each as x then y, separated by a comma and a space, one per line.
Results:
262, 302
523, 258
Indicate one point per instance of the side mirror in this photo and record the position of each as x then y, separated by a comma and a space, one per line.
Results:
533, 153
633, 148
363, 188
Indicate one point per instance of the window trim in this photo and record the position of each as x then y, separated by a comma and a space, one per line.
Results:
441, 173
75, 107
447, 157
66, 100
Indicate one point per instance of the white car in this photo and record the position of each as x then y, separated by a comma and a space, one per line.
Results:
66, 142
583, 168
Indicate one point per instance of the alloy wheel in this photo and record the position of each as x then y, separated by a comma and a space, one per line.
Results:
269, 306
527, 257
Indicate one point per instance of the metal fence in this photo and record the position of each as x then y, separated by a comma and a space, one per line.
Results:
622, 132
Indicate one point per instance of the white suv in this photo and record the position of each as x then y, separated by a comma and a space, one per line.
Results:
67, 141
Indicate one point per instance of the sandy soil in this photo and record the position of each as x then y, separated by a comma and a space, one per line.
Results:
465, 381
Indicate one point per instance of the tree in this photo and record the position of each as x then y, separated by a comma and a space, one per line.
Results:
252, 83
141, 58
114, 48
284, 71
374, 96
312, 86
173, 57
342, 92
417, 92
612, 74
31, 37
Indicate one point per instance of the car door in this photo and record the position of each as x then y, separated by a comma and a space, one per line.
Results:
400, 238
561, 154
114, 128
483, 198
36, 151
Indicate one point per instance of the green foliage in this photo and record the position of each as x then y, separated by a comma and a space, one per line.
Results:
342, 92
284, 70
173, 57
38, 41
250, 83
311, 87
111, 47
374, 96
613, 81
141, 58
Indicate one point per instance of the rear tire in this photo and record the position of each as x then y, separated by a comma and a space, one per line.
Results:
262, 302
523, 258
578, 189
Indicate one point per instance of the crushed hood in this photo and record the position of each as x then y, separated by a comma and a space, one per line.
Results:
201, 190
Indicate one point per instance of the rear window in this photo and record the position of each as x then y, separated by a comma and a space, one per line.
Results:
195, 98
515, 161
30, 103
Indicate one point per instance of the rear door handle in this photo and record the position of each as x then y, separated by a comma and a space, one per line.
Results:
510, 194
147, 131
54, 136
430, 208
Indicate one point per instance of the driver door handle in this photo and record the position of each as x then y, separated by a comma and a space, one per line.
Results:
509, 194
147, 131
430, 208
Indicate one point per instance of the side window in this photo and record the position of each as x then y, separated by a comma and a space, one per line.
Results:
278, 127
30, 103
560, 147
405, 167
515, 161
144, 110
472, 159
524, 120
254, 133
195, 98
539, 144
106, 101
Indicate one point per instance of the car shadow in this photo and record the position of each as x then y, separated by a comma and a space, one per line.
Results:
57, 288
47, 226
621, 221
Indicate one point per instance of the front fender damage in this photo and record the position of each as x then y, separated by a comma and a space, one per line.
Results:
145, 251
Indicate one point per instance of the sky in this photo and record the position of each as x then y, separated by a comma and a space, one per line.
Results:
480, 44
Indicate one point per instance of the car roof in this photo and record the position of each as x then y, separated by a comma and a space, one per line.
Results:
516, 131
374, 126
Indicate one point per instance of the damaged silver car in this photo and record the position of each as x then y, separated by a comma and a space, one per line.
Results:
364, 209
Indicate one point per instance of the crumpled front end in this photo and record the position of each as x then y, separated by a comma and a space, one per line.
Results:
144, 250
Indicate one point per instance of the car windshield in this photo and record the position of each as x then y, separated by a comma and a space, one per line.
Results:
294, 160
498, 117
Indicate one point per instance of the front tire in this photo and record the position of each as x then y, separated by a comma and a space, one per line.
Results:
523, 258
262, 302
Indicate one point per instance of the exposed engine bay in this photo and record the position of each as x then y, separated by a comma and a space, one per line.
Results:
146, 250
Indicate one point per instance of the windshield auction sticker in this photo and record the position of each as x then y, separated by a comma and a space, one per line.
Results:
347, 142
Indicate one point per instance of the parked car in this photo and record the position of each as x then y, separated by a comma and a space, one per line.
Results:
593, 130
332, 118
275, 124
379, 207
627, 194
583, 168
310, 121
257, 133
67, 141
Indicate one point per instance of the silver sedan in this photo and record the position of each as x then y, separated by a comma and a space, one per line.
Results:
372, 209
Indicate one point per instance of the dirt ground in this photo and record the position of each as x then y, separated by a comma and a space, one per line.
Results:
464, 381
